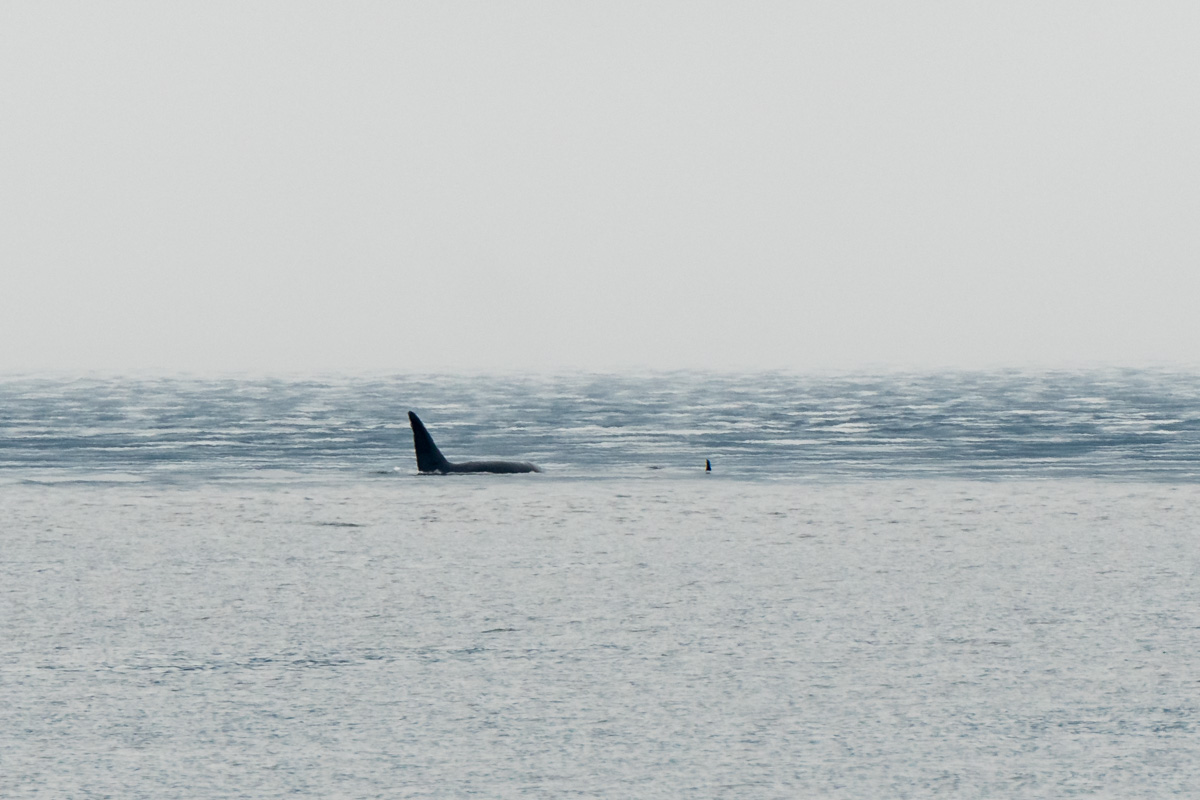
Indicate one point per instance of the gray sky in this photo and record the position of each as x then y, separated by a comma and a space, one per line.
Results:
439, 186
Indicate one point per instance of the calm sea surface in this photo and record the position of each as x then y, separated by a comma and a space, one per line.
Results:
963, 585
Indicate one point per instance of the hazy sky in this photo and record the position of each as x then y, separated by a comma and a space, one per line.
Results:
505, 185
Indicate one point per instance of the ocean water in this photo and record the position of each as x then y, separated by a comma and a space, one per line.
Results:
961, 585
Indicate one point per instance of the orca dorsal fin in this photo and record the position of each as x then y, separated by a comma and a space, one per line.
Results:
429, 458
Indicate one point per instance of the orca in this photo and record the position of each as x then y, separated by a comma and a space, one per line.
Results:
430, 459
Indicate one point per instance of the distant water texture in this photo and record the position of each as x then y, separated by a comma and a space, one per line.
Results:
904, 586
1125, 425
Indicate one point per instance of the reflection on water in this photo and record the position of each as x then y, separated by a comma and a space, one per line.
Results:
620, 637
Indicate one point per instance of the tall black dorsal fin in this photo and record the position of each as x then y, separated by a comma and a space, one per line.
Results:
429, 458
